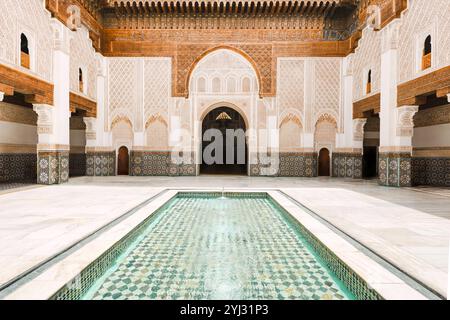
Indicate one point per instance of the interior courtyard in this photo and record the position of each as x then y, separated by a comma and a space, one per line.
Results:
304, 140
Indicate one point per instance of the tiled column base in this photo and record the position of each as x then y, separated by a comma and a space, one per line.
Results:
16, 167
101, 163
159, 163
347, 165
431, 172
298, 164
52, 167
395, 169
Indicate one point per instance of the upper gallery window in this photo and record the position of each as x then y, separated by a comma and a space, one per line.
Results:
80, 80
426, 56
24, 52
369, 82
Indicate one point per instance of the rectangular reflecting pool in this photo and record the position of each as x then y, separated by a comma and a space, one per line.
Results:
208, 246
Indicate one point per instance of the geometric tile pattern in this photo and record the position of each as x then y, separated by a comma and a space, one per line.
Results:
395, 169
15, 167
101, 163
159, 163
347, 165
431, 172
266, 165
53, 167
214, 248
294, 164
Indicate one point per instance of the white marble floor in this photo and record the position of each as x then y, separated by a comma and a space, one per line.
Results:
408, 227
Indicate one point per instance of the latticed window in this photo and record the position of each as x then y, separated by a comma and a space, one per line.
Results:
426, 57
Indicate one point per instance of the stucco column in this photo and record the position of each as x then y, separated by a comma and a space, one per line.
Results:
2, 96
396, 122
54, 121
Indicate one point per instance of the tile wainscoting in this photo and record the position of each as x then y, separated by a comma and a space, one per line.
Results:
395, 169
101, 163
347, 165
431, 171
159, 163
52, 167
17, 167
298, 164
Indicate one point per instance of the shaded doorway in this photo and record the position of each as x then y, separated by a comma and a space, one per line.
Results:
123, 161
370, 162
324, 162
371, 144
222, 119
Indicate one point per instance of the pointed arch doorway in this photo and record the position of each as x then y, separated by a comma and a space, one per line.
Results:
123, 161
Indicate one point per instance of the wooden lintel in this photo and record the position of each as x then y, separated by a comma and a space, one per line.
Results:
443, 92
26, 84
78, 102
371, 103
7, 90
36, 99
414, 92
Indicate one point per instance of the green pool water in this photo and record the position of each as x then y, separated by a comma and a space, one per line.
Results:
219, 248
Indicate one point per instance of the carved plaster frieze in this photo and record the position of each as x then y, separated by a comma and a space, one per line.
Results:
390, 36
374, 17
45, 118
405, 120
90, 128
358, 129
61, 36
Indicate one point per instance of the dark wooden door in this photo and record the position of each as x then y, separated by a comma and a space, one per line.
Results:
324, 163
123, 161
370, 162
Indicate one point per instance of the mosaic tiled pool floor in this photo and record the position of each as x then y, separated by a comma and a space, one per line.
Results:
219, 248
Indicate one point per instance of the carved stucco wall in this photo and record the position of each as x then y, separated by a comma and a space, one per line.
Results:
223, 72
307, 89
82, 55
422, 18
367, 57
31, 18
291, 78
139, 90
327, 87
157, 89
123, 94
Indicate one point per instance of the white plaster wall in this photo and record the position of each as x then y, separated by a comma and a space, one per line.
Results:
18, 133
433, 136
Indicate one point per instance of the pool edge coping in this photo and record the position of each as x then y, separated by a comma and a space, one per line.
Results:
45, 285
